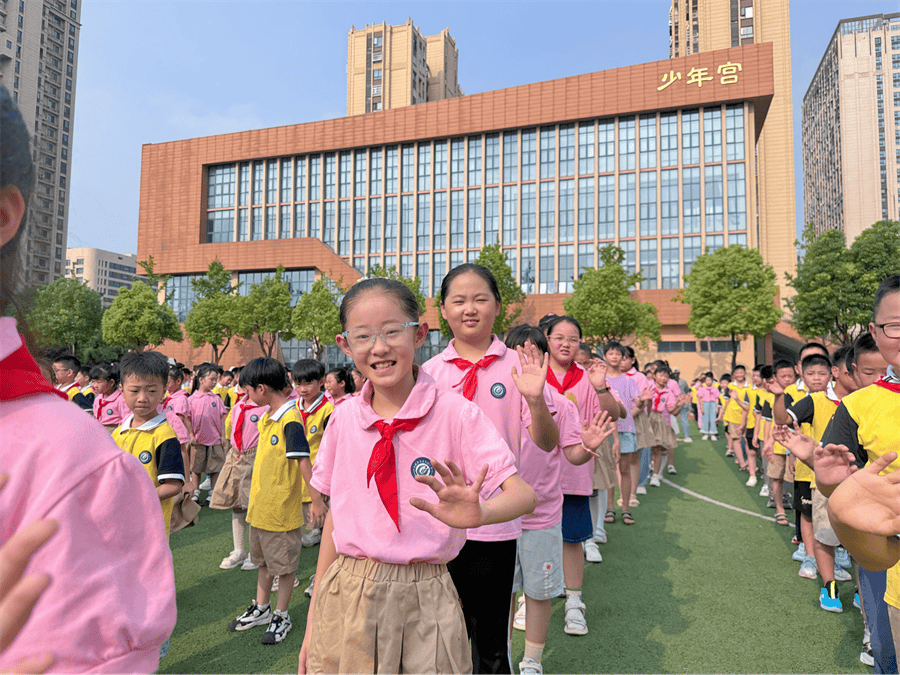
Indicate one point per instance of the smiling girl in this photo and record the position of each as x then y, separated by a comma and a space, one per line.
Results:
383, 600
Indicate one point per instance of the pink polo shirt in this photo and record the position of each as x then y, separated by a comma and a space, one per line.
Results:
207, 411
500, 400
579, 480
174, 405
541, 470
113, 410
451, 428
627, 391
252, 415
707, 394
111, 603
664, 402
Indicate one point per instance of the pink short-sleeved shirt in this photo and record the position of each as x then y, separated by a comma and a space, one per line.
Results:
450, 428
111, 603
662, 400
252, 415
579, 480
500, 400
113, 409
176, 404
626, 390
541, 470
707, 394
207, 411
672, 385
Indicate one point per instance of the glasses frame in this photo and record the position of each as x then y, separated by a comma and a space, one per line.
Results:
377, 334
882, 326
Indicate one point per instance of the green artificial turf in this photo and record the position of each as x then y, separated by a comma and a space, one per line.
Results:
691, 587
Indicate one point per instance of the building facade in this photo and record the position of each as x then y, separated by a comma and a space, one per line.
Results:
103, 271
697, 26
851, 128
657, 159
38, 65
395, 66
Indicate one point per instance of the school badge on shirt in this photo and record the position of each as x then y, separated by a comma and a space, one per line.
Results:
421, 467
313, 429
145, 457
274, 440
254, 418
498, 390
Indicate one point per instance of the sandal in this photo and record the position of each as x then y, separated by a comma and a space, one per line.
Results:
627, 518
781, 519
610, 517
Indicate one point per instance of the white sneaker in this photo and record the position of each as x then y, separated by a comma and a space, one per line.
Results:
234, 559
641, 490
275, 583
309, 589
714, 437
206, 485
671, 470
519, 618
705, 437
592, 552
248, 564
530, 667
196, 496
279, 626
840, 574
687, 439
764, 491
728, 453
751, 482
575, 622
654, 480
599, 536
311, 538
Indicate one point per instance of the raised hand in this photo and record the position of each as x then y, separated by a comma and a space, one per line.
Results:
833, 464
870, 502
597, 370
800, 445
532, 376
647, 394
458, 505
593, 433
773, 386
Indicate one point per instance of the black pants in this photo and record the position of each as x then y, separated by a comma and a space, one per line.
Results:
483, 574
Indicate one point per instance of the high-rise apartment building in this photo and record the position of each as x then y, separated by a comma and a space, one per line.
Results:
850, 121
103, 271
704, 25
396, 66
38, 63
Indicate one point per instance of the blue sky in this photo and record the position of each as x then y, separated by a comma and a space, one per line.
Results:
150, 72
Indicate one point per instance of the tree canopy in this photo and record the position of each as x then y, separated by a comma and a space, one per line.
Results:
604, 307
267, 312
315, 316
66, 313
216, 317
136, 319
731, 293
415, 284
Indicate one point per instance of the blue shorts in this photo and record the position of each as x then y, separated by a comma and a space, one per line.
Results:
576, 520
627, 442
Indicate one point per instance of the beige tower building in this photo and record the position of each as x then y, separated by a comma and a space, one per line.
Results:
396, 66
851, 128
103, 271
38, 63
705, 25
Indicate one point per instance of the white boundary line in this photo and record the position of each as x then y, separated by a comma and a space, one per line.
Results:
713, 501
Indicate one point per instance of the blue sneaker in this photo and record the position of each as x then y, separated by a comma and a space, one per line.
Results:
842, 558
828, 603
809, 570
856, 601
800, 553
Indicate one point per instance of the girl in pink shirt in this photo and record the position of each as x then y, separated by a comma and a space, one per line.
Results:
589, 391
109, 404
707, 400
663, 403
385, 542
479, 367
206, 413
339, 386
178, 415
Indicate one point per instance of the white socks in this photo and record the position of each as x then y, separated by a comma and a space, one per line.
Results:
239, 531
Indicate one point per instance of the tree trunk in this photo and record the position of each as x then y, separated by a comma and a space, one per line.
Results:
734, 347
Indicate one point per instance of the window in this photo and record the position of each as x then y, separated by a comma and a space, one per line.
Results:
629, 263
669, 260
360, 174
606, 207
474, 161
439, 226
359, 227
526, 273
457, 219
375, 173
286, 230
567, 210
585, 258
714, 242
692, 251
566, 267
737, 198
440, 165
376, 90
690, 137
315, 178
407, 208
300, 192
648, 204
712, 135
474, 219
586, 142
315, 222
439, 269
510, 215
626, 205
181, 292
286, 180
715, 207
271, 222
390, 179
510, 156
734, 132
648, 263
548, 152
423, 225
681, 346
407, 168
739, 239
491, 216
328, 225
529, 213
220, 226
243, 232
668, 139
529, 154
220, 192
492, 159
376, 74
548, 272
567, 150
457, 162
648, 141
330, 161
299, 221
548, 212
690, 200
606, 137
586, 209
375, 225
626, 144
345, 161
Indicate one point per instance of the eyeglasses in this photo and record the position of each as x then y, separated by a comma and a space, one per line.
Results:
393, 334
891, 330
559, 339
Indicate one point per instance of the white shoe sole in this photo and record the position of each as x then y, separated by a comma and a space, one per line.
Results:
230, 563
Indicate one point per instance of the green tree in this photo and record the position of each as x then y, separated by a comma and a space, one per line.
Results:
316, 315
605, 308
65, 313
876, 254
415, 284
512, 298
216, 317
827, 300
136, 319
267, 312
731, 293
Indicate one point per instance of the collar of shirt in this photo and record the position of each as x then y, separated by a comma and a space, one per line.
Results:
829, 392
65, 387
497, 347
891, 376
146, 426
800, 384
315, 404
420, 400
278, 414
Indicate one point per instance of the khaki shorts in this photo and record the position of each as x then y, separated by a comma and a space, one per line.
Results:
233, 487
207, 458
775, 471
605, 477
373, 617
734, 430
279, 552
821, 524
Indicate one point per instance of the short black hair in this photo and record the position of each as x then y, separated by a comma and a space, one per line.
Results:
474, 268
343, 376
524, 332
664, 369
738, 367
70, 362
176, 373
269, 372
613, 345
758, 367
890, 284
708, 374
585, 347
556, 320
307, 370
105, 371
782, 363
813, 345
815, 360
726, 377
767, 372
144, 365
864, 344
85, 370
843, 355
236, 371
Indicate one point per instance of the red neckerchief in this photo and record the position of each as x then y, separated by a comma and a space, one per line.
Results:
239, 427
166, 402
383, 464
573, 376
101, 404
306, 413
22, 377
656, 399
890, 385
470, 379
